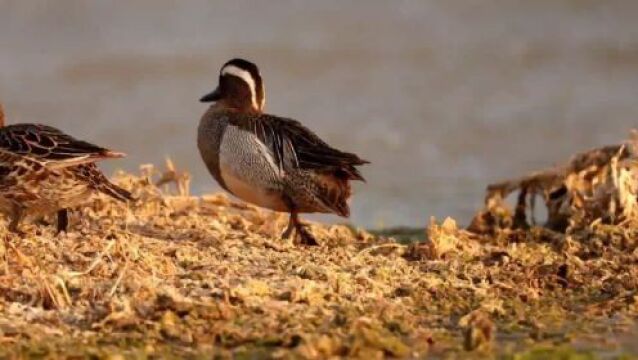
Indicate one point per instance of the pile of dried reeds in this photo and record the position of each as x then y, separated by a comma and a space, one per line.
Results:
599, 185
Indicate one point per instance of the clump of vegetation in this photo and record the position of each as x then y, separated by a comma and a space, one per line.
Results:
184, 276
596, 186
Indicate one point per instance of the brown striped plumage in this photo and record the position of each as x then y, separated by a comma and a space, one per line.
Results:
43, 170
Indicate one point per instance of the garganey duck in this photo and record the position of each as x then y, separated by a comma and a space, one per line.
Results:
271, 161
43, 170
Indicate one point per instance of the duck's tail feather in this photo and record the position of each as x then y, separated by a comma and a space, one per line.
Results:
115, 192
334, 192
91, 173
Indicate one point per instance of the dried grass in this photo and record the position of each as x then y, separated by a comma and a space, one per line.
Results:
183, 276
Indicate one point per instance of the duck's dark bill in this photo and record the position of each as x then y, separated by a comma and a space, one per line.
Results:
214, 96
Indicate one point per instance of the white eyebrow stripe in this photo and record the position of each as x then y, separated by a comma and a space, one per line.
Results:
248, 79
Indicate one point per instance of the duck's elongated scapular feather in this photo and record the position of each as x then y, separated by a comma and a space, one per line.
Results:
295, 146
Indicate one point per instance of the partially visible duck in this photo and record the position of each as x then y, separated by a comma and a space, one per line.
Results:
43, 170
270, 161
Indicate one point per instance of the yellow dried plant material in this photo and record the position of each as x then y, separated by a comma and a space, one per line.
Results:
174, 275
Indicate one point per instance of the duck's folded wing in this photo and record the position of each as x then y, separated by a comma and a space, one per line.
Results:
50, 146
294, 145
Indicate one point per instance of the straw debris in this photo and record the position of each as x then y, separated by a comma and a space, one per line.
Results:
185, 276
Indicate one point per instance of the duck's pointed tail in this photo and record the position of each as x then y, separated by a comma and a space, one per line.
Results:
115, 191
91, 173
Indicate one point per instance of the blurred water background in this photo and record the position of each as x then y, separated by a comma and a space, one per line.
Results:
442, 96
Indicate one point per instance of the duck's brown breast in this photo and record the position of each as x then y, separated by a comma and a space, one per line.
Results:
209, 136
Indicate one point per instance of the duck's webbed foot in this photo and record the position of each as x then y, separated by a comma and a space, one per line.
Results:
302, 234
305, 237
63, 220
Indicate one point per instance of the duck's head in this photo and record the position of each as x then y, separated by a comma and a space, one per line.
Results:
240, 87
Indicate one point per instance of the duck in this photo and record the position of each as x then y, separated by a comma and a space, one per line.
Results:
44, 170
271, 161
